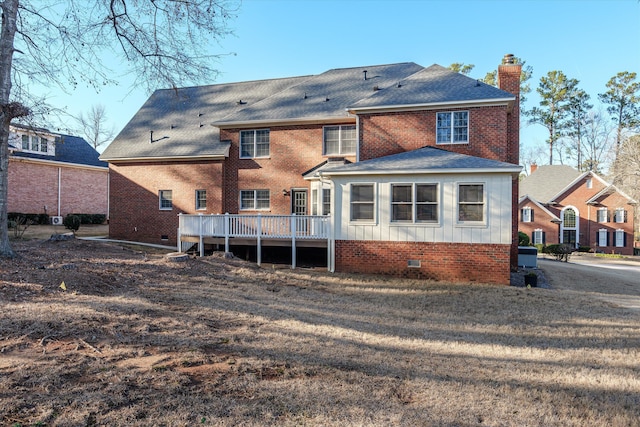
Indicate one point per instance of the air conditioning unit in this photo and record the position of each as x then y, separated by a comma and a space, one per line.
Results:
56, 220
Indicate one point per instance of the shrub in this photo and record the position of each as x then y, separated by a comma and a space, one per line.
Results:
561, 252
523, 239
72, 222
91, 218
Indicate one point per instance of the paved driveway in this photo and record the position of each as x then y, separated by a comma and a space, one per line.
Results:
614, 280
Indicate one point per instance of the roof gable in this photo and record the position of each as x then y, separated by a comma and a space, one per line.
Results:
548, 181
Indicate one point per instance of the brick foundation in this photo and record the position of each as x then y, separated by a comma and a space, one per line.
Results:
455, 262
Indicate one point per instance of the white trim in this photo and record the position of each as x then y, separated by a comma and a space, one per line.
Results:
284, 122
57, 163
116, 160
554, 218
515, 169
255, 143
414, 204
432, 105
485, 202
375, 202
576, 228
618, 235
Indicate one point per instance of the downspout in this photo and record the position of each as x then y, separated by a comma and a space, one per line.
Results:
357, 141
59, 190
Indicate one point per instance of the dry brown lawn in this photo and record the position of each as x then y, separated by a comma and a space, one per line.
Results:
136, 339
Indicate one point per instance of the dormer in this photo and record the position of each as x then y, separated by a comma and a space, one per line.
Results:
32, 140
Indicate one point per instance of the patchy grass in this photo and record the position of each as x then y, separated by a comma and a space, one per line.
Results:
138, 340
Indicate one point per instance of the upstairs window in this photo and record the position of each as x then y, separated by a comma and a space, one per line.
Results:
254, 144
362, 202
165, 197
603, 215
414, 202
201, 199
471, 203
37, 144
620, 216
255, 200
339, 140
527, 214
452, 127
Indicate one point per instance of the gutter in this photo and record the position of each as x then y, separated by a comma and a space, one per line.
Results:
431, 106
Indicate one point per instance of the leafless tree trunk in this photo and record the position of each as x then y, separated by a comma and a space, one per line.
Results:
94, 126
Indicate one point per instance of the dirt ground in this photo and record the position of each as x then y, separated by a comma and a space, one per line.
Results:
104, 334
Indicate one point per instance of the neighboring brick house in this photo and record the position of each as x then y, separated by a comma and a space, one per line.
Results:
559, 204
55, 174
329, 144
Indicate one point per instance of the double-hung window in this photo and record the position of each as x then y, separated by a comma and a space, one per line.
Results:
166, 200
603, 215
254, 143
603, 237
620, 215
326, 201
527, 214
339, 140
620, 238
538, 237
254, 200
362, 202
452, 127
471, 203
25, 142
201, 199
414, 202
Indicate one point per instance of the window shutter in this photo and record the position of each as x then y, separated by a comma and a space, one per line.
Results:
533, 237
624, 215
544, 237
609, 215
624, 237
522, 215
607, 238
532, 215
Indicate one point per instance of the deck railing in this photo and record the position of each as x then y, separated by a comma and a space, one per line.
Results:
259, 227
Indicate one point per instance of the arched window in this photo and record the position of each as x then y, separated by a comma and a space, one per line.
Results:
570, 225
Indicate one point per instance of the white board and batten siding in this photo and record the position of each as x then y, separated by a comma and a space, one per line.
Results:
495, 229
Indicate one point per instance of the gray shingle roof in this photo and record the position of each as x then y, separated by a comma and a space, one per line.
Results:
424, 160
185, 122
68, 149
547, 181
181, 120
432, 85
324, 96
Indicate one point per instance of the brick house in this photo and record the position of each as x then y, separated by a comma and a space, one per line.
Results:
55, 174
559, 204
422, 161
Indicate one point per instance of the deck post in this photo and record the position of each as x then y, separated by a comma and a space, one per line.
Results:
259, 241
200, 232
226, 233
293, 240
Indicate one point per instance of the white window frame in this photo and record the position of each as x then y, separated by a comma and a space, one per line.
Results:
538, 238
602, 215
255, 200
620, 213
483, 203
619, 236
602, 237
165, 200
34, 144
254, 146
201, 200
414, 203
589, 183
342, 129
326, 201
353, 203
451, 128
526, 214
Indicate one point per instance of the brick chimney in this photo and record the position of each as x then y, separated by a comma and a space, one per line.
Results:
534, 167
509, 80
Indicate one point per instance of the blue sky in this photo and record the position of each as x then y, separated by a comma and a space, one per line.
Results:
590, 40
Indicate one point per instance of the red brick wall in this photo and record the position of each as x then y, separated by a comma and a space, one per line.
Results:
32, 186
391, 133
541, 220
135, 212
455, 262
293, 150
